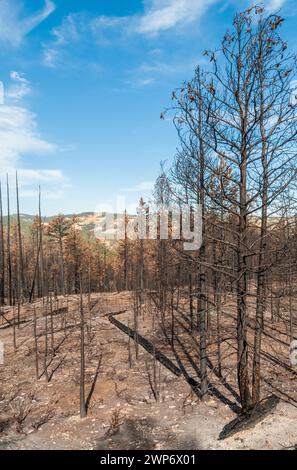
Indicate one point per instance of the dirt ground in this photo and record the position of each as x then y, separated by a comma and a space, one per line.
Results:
122, 411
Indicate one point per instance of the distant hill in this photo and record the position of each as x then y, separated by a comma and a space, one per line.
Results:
85, 221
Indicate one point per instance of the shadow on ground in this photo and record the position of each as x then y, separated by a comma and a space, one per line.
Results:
144, 435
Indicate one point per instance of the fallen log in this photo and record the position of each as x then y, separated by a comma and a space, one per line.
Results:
147, 346
249, 419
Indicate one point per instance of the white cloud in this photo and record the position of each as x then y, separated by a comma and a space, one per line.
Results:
159, 15
31, 22
19, 88
138, 82
77, 27
272, 6
71, 29
149, 73
14, 26
19, 138
48, 194
143, 186
107, 22
146, 82
163, 68
29, 176
162, 15
50, 57
53, 183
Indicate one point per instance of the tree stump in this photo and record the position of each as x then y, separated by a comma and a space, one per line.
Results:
252, 417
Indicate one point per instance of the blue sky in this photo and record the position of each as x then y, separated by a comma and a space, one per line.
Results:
84, 84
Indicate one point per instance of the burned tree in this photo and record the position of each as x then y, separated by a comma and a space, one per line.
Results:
238, 155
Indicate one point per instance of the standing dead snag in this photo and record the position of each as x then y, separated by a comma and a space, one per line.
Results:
45, 343
41, 253
57, 231
277, 154
36, 344
257, 144
14, 329
238, 132
52, 326
129, 348
126, 251
154, 377
9, 267
202, 310
141, 216
137, 300
2, 253
22, 290
83, 410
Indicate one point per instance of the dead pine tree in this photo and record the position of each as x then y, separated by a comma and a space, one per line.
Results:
154, 376
260, 156
35, 342
2, 253
52, 326
135, 317
19, 307
191, 173
83, 408
45, 369
275, 71
14, 329
89, 325
66, 315
126, 252
141, 217
202, 309
22, 290
57, 232
41, 253
129, 348
8, 248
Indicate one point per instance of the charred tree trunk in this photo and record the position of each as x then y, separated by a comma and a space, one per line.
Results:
261, 278
2, 253
83, 409
23, 290
202, 312
9, 267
